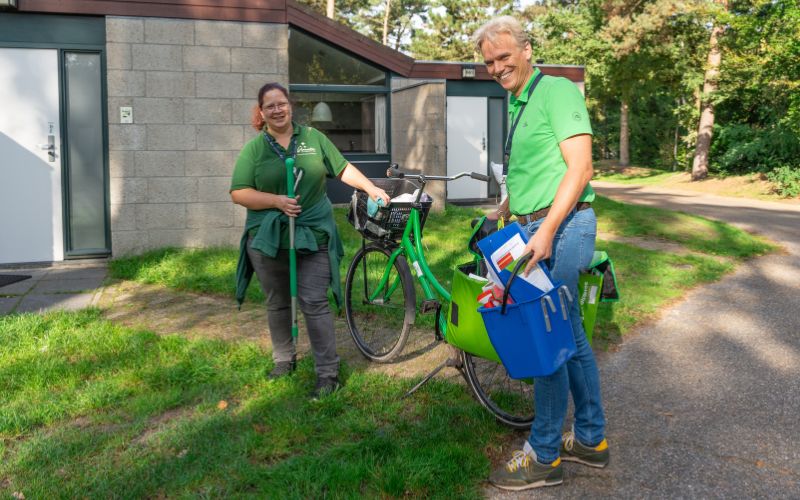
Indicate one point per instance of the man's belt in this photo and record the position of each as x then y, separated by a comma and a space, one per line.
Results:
540, 214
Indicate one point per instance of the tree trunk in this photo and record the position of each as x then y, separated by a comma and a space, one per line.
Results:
675, 149
330, 10
624, 135
705, 129
386, 22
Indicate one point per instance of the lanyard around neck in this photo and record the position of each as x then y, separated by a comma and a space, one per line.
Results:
292, 149
507, 155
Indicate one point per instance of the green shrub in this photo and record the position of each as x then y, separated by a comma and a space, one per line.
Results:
741, 148
786, 180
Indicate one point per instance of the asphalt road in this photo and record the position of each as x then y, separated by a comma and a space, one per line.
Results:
705, 402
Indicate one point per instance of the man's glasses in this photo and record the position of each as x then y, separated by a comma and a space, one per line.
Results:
272, 108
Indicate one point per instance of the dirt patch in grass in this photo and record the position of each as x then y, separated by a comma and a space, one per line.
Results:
629, 171
159, 422
164, 311
744, 186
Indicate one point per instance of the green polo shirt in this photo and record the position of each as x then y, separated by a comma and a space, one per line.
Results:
556, 111
260, 168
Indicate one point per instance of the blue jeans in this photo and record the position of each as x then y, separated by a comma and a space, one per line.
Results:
573, 247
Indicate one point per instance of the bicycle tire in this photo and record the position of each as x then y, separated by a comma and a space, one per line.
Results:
379, 329
509, 400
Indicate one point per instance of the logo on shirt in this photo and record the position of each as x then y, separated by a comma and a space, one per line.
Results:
576, 116
304, 149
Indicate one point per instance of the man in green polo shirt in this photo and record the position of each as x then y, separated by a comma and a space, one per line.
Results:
549, 159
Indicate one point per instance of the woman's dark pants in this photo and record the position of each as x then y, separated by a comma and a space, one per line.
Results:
313, 279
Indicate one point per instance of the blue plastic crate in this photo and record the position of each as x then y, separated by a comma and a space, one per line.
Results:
533, 338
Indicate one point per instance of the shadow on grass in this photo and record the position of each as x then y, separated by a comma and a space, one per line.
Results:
696, 233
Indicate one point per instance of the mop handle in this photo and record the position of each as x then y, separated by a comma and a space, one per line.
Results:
292, 253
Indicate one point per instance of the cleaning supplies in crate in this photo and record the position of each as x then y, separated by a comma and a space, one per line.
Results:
502, 250
492, 295
373, 206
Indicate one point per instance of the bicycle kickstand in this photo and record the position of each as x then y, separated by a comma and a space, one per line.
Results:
453, 361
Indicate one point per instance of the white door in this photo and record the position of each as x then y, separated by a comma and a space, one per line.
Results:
466, 145
30, 157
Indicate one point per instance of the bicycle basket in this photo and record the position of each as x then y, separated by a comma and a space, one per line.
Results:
389, 222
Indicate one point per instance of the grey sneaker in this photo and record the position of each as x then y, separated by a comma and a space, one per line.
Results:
573, 451
282, 368
325, 386
523, 472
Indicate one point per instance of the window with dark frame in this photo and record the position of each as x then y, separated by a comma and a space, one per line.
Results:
339, 94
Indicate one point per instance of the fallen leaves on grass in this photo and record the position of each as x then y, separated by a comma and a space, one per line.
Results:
222, 404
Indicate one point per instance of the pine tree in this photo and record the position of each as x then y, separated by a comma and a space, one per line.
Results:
448, 35
710, 84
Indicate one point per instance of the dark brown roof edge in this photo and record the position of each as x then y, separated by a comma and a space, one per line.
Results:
284, 12
265, 11
452, 70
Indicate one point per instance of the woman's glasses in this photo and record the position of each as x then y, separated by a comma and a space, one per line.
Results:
273, 108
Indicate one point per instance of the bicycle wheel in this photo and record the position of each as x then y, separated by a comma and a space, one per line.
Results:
379, 316
510, 400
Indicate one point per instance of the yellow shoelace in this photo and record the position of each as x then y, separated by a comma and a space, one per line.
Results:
519, 459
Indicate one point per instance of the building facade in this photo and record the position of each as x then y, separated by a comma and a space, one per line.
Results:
121, 119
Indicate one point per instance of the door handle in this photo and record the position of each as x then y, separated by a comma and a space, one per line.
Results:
483, 143
50, 147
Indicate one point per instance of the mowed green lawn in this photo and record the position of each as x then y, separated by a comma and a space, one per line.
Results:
92, 409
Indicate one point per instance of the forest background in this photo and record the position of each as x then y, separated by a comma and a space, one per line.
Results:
706, 86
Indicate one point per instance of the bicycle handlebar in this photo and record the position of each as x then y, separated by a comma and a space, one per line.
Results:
394, 172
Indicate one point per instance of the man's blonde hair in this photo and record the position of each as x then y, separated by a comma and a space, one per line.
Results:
498, 26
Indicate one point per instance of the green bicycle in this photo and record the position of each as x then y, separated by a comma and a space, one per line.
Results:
380, 297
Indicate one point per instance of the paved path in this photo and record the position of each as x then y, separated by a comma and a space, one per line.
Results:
68, 285
705, 403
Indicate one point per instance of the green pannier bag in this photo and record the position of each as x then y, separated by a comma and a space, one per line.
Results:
589, 286
465, 328
601, 263
597, 284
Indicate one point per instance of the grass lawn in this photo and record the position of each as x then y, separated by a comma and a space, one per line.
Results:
92, 409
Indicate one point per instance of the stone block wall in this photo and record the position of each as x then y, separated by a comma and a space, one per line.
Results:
419, 130
192, 85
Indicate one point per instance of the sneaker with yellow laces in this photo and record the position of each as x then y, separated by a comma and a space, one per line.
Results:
573, 450
523, 472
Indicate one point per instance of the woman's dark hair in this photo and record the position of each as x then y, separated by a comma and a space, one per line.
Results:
257, 121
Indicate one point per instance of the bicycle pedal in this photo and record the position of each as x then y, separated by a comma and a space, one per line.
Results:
428, 306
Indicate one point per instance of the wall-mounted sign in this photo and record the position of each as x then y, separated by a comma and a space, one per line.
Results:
467, 71
125, 114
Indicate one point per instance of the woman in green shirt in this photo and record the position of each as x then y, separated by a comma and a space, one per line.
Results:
259, 184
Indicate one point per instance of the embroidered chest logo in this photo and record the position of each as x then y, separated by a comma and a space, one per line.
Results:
304, 150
